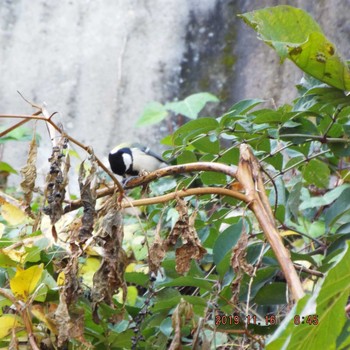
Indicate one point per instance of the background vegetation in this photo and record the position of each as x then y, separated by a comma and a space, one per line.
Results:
198, 264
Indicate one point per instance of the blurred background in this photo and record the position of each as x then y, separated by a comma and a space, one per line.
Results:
98, 63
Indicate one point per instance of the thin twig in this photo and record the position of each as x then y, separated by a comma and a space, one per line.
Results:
22, 309
252, 279
309, 271
70, 138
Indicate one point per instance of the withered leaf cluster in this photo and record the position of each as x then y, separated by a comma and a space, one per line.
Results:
29, 173
88, 199
191, 247
239, 264
57, 180
110, 275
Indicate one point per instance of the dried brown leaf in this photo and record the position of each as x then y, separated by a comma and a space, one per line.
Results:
70, 324
181, 315
110, 276
156, 251
184, 228
181, 225
28, 173
240, 264
156, 255
72, 288
185, 254
88, 199
56, 181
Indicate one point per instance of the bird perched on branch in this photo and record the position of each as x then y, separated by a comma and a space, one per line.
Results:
133, 160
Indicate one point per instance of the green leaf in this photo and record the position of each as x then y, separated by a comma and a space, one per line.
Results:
244, 106
271, 116
191, 105
211, 178
343, 342
137, 278
226, 241
236, 111
316, 173
230, 156
166, 327
327, 303
294, 34
224, 265
339, 208
294, 199
194, 128
7, 168
186, 157
271, 294
302, 257
21, 133
263, 276
188, 281
207, 145
153, 113
326, 199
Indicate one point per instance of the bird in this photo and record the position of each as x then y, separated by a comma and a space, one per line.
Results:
134, 159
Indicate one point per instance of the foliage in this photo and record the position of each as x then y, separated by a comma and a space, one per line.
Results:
194, 272
295, 35
190, 107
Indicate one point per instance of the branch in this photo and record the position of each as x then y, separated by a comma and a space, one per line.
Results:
186, 193
295, 165
323, 139
249, 176
180, 169
171, 170
70, 138
22, 309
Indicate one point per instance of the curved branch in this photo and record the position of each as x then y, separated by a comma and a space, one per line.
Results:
170, 170
181, 169
185, 193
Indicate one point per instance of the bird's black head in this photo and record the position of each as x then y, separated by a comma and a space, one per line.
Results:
121, 161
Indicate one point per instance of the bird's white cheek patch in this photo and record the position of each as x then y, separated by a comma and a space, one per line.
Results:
127, 161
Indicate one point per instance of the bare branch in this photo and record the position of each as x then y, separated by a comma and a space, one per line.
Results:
186, 193
70, 138
249, 176
172, 170
180, 169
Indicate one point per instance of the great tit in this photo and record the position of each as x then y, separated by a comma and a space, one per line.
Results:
132, 160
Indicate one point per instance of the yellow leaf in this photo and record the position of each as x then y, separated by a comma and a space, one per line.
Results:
42, 314
288, 233
15, 255
131, 267
11, 210
2, 229
13, 215
131, 295
88, 270
7, 323
61, 279
24, 282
